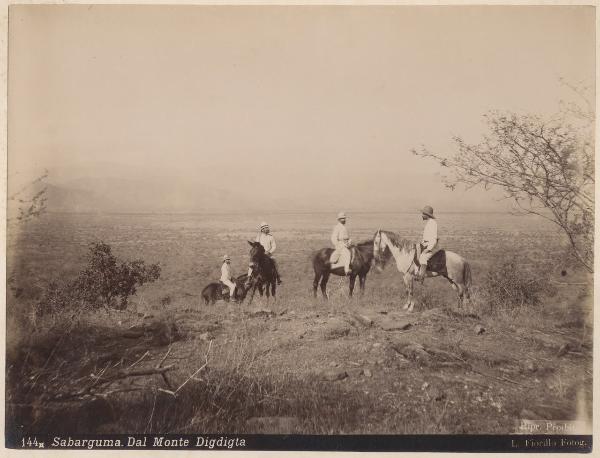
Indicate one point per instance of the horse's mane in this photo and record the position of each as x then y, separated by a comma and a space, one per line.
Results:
398, 241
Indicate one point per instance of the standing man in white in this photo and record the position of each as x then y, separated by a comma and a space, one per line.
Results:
429, 241
227, 277
341, 242
266, 239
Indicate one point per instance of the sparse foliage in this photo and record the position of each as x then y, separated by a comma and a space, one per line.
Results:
508, 287
106, 281
30, 200
546, 166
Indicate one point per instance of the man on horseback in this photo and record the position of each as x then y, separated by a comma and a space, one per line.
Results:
266, 239
227, 277
429, 241
341, 242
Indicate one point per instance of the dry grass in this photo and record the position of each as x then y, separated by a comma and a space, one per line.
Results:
271, 366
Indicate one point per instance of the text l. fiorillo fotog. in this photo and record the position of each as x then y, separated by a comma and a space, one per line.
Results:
151, 442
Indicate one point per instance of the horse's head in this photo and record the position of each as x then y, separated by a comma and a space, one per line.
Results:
381, 253
257, 251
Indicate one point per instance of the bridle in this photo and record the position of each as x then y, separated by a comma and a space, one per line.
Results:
377, 249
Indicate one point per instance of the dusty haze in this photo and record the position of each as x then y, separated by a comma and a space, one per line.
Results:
189, 108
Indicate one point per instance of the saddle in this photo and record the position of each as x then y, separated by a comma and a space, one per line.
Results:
437, 262
224, 289
340, 263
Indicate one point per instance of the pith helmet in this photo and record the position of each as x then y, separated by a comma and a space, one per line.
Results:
427, 210
342, 215
226, 258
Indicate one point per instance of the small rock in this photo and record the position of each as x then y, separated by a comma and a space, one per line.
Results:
283, 312
333, 375
376, 345
333, 364
336, 329
398, 385
261, 312
364, 320
412, 351
479, 329
424, 386
395, 325
367, 373
530, 366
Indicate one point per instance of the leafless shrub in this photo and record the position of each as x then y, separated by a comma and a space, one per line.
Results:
544, 165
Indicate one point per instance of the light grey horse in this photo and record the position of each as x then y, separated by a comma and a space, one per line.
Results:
443, 263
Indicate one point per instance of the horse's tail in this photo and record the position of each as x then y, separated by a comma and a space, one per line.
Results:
206, 294
467, 275
315, 260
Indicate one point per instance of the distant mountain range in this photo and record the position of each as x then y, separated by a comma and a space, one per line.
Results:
160, 195
108, 195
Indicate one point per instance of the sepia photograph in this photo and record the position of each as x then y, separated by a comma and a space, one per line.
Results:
294, 227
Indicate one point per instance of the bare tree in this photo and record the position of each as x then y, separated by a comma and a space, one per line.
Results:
545, 165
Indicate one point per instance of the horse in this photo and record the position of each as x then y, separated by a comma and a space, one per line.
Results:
443, 263
362, 258
261, 272
214, 291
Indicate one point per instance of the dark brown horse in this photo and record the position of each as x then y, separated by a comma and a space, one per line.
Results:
362, 258
214, 291
261, 272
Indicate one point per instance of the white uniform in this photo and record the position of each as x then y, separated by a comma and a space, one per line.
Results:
268, 242
226, 277
430, 240
341, 240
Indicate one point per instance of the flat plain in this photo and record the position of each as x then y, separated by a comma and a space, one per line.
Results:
297, 364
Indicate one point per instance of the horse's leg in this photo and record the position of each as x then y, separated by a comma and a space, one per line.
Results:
274, 288
461, 295
324, 281
252, 291
361, 283
316, 283
409, 283
352, 281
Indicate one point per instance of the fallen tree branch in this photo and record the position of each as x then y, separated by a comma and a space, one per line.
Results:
197, 371
503, 379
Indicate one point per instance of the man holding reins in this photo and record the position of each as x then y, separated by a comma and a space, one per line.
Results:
227, 277
429, 241
266, 239
341, 242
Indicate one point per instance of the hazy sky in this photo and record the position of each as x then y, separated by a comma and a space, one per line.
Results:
286, 104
